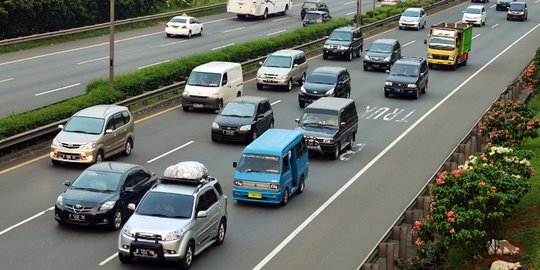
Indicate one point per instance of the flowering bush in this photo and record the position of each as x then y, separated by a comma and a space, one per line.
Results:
508, 123
529, 78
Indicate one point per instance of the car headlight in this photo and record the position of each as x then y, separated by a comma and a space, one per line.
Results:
328, 140
107, 206
238, 183
245, 128
451, 57
185, 93
326, 46
343, 48
259, 75
388, 83
366, 57
174, 235
386, 59
90, 145
281, 77
274, 186
127, 231
55, 143
411, 85
60, 200
215, 125
330, 92
302, 89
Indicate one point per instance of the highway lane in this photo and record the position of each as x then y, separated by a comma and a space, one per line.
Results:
46, 75
254, 230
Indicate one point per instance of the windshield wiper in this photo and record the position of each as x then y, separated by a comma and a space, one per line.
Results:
156, 215
79, 131
236, 115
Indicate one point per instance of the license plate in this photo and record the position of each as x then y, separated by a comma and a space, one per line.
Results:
254, 195
240, 4
375, 65
399, 90
75, 217
70, 157
175, 27
312, 147
197, 105
228, 132
145, 253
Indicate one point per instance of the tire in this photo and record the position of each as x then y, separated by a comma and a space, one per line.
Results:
220, 105
386, 94
350, 57
254, 135
424, 25
213, 139
185, 263
365, 68
400, 28
348, 93
222, 229
285, 199
507, 18
335, 155
61, 222
56, 162
289, 85
116, 221
425, 88
272, 124
350, 142
189, 34
185, 108
325, 56
169, 35
285, 11
127, 148
125, 259
200, 33
419, 27
302, 185
238, 94
302, 80
99, 157
260, 86
302, 104
497, 8
240, 16
265, 14
430, 65
417, 96
454, 67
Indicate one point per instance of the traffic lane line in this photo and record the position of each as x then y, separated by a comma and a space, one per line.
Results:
221, 47
172, 43
277, 32
476, 36
275, 102
492, 6
232, 30
93, 60
154, 64
282, 19
7, 80
351, 13
409, 43
348, 3
170, 152
26, 220
108, 259
57, 89
495, 25
351, 181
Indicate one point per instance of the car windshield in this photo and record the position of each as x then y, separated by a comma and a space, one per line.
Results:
404, 70
380, 48
205, 79
516, 7
258, 163
322, 78
278, 61
87, 125
340, 36
411, 13
319, 120
99, 181
168, 205
178, 20
473, 11
310, 16
441, 43
310, 5
239, 109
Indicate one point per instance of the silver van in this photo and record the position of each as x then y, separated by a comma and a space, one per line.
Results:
283, 68
93, 134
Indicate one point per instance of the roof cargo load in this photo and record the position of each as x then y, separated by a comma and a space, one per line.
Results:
187, 171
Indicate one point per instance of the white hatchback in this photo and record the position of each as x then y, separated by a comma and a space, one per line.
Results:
184, 26
474, 14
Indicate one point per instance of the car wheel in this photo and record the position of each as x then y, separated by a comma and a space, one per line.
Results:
189, 34
222, 229
185, 263
289, 85
417, 96
285, 11
386, 94
350, 142
365, 68
265, 15
325, 56
302, 80
213, 139
272, 124
335, 155
56, 162
99, 157
169, 35
200, 33
254, 135
301, 103
419, 27
285, 199
240, 16
302, 185
425, 88
220, 105
400, 28
424, 25
61, 221
127, 148
497, 8
348, 93
185, 108
430, 65
116, 221
260, 86
507, 18
124, 258
350, 56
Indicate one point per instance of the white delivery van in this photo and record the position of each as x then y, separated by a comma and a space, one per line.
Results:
259, 8
212, 85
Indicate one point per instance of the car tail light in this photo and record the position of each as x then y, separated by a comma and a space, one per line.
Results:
184, 27
320, 20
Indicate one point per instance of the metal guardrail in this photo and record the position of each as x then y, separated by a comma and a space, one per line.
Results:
105, 25
51, 128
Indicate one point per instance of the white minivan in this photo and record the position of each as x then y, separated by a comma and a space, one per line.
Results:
212, 85
258, 8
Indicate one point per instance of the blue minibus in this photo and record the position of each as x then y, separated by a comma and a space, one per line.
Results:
272, 168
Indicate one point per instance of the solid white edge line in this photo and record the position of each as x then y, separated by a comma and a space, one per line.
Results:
221, 47
57, 89
275, 102
108, 259
495, 25
274, 33
6, 80
26, 220
154, 64
93, 60
175, 149
232, 30
374, 160
409, 43
171, 43
476, 36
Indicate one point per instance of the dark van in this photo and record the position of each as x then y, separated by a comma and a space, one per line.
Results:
329, 125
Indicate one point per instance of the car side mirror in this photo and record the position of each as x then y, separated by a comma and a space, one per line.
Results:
295, 65
425, 41
60, 126
108, 131
297, 120
129, 189
234, 164
343, 124
260, 63
202, 214
67, 183
131, 206
422, 73
217, 111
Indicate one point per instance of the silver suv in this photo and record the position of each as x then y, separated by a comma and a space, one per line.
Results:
283, 68
93, 134
181, 216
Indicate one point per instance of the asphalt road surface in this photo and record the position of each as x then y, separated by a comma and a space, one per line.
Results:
348, 204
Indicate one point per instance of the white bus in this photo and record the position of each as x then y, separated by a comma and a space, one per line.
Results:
259, 8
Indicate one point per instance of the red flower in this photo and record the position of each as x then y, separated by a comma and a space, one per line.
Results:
419, 242
452, 230
494, 188
482, 184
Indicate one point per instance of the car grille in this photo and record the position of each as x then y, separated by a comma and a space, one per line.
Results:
399, 84
149, 236
79, 209
193, 96
269, 76
229, 128
441, 57
376, 59
256, 185
71, 145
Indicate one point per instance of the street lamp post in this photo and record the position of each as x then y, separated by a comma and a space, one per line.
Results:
358, 13
111, 45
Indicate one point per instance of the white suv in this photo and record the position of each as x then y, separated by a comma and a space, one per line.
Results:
185, 213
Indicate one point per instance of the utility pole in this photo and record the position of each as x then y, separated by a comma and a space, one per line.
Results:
111, 45
358, 13
374, 5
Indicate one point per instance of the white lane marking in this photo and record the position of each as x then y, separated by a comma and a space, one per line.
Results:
275, 102
154, 64
175, 149
221, 47
476, 36
274, 33
219, 20
409, 43
108, 259
348, 3
351, 13
57, 89
277, 20
171, 43
235, 29
317, 212
26, 220
498, 24
93, 60
6, 80
492, 6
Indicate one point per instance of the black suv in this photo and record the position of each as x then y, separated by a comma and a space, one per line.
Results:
503, 4
312, 5
382, 54
517, 10
345, 41
408, 76
324, 82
